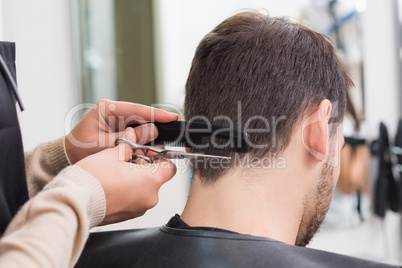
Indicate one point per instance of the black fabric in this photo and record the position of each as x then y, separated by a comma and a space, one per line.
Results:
191, 247
13, 189
398, 143
178, 223
386, 188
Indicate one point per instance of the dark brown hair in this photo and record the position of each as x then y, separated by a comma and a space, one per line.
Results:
272, 67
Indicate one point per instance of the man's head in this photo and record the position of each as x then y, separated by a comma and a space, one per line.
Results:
255, 72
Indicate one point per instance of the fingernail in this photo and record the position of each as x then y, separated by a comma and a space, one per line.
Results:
173, 114
154, 132
129, 133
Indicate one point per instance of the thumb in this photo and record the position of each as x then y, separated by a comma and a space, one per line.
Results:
165, 169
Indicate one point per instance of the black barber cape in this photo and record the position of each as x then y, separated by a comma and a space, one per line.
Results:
179, 245
13, 188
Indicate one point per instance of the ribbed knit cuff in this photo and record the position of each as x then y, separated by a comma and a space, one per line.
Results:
97, 203
57, 155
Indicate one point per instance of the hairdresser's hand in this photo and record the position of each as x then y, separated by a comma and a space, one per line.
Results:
130, 189
106, 121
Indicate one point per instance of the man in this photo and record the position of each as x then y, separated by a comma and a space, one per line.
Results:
283, 84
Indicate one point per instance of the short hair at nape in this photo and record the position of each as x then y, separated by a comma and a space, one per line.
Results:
270, 67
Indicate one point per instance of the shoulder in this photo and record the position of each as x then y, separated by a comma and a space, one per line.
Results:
169, 247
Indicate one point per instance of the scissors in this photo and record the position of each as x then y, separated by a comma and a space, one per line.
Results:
160, 152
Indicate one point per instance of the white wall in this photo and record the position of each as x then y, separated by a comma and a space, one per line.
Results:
45, 68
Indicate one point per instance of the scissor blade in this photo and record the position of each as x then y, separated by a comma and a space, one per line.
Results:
139, 146
181, 155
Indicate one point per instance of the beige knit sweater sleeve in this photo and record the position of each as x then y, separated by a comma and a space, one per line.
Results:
44, 163
51, 229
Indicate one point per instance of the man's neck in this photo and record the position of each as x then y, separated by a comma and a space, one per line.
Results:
261, 203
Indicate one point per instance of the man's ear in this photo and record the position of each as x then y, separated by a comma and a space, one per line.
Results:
315, 131
188, 151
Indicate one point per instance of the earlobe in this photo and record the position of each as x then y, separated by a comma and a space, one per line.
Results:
188, 151
315, 131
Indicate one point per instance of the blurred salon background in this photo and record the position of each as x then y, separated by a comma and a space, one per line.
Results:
77, 52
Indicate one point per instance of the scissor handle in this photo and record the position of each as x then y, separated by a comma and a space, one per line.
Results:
135, 156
